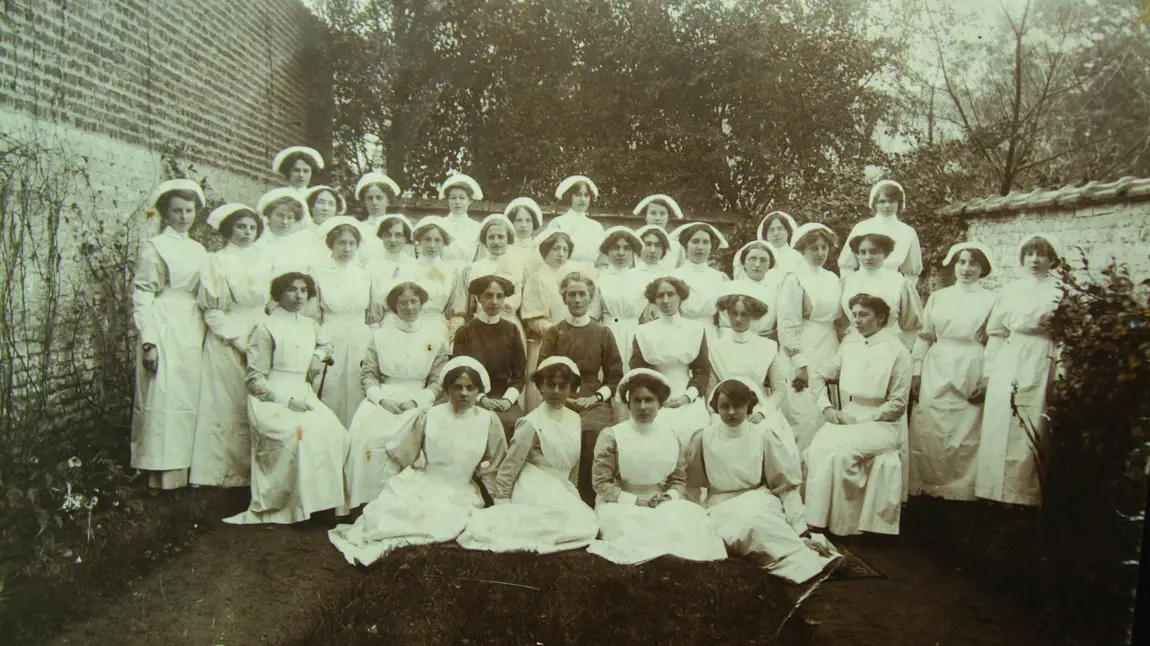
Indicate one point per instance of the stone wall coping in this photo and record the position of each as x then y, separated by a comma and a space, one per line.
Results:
1091, 193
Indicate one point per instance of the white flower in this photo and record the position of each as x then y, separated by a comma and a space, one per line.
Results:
74, 462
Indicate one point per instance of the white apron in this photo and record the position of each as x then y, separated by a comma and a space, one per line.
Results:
670, 349
344, 298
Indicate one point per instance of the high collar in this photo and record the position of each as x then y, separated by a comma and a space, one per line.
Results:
404, 326
282, 314
430, 262
169, 232
740, 337
886, 219
673, 321
644, 429
967, 288
482, 317
581, 321
733, 431
612, 269
878, 271
457, 218
691, 265
572, 213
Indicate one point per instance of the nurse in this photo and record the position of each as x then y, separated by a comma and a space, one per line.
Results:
621, 289
585, 233
755, 270
887, 202
872, 248
286, 239
460, 191
700, 240
298, 165
776, 230
374, 191
657, 211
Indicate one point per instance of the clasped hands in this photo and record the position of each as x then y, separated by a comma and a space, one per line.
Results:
835, 416
494, 405
394, 407
653, 500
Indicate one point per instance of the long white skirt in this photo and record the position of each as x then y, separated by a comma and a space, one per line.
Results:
545, 515
818, 343
630, 534
342, 387
416, 507
371, 429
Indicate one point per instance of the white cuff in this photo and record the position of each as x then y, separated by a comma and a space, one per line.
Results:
627, 498
674, 494
285, 401
605, 392
426, 397
692, 393
511, 395
373, 394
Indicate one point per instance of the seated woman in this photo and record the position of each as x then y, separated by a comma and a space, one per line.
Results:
639, 475
871, 249
856, 463
495, 343
400, 377
537, 508
298, 444
752, 474
700, 241
677, 348
463, 446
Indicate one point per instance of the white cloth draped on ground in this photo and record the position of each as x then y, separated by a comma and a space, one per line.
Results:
344, 301
622, 294
856, 478
906, 258
632, 461
402, 363
432, 503
944, 424
758, 360
439, 280
297, 458
537, 507
752, 475
295, 251
586, 235
167, 316
905, 306
464, 233
677, 348
808, 305
1020, 354
233, 294
706, 283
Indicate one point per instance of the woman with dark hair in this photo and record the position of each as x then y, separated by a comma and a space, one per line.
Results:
756, 271
526, 217
298, 165
323, 203
753, 476
496, 239
171, 329
677, 348
657, 211
808, 305
776, 231
945, 421
345, 307
585, 233
374, 192
887, 201
621, 291
400, 376
700, 240
537, 507
873, 277
298, 444
438, 278
393, 259
542, 304
461, 446
648, 264
460, 191
1020, 366
495, 343
639, 475
286, 239
233, 295
856, 463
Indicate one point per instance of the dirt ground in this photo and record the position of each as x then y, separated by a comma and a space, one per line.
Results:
287, 585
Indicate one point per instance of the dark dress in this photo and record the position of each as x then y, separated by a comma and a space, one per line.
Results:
499, 347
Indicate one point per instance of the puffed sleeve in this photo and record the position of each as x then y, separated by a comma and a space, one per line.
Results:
789, 306
534, 304
523, 441
404, 448
828, 371
779, 375
927, 336
700, 371
783, 475
213, 298
605, 470
996, 332
434, 389
488, 469
261, 347
612, 365
696, 472
151, 278
369, 373
323, 345
897, 391
461, 303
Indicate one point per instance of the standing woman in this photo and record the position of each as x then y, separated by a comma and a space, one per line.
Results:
676, 347
496, 237
648, 265
887, 201
871, 249
298, 165
374, 191
1020, 359
298, 444
776, 230
526, 217
700, 240
856, 464
657, 211
585, 233
233, 294
460, 190
946, 421
394, 259
436, 277
808, 306
400, 377
542, 304
622, 290
286, 239
344, 303
171, 331
324, 202
755, 269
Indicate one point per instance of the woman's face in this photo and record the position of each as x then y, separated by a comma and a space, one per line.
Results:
323, 208
578, 299
375, 200
458, 201
180, 214
699, 247
580, 198
344, 246
524, 223
731, 414
653, 249
299, 174
556, 390
293, 298
776, 234
816, 252
244, 231
866, 322
281, 219
496, 239
643, 404
667, 299
967, 269
1038, 263
491, 299
408, 306
620, 253
885, 206
658, 215
431, 243
870, 255
462, 392
393, 237
558, 254
756, 263
740, 317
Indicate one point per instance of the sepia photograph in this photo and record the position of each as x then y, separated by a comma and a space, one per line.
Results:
565, 322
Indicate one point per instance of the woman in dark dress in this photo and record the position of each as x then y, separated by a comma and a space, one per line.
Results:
496, 343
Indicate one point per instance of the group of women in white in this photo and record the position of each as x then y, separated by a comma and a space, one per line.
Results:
511, 384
